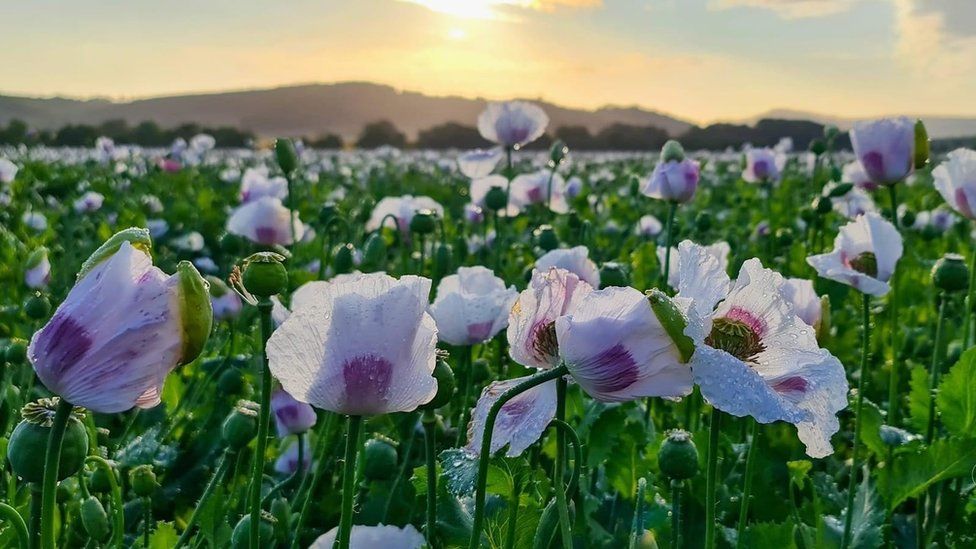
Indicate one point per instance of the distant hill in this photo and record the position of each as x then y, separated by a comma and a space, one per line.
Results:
939, 127
307, 110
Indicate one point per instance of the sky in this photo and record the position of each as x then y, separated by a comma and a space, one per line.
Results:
701, 60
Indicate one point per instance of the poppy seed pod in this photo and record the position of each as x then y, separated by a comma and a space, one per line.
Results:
557, 152
241, 425
342, 258
240, 537
546, 238
678, 456
285, 155
495, 199
672, 150
423, 222
37, 307
950, 273
143, 480
16, 351
374, 251
29, 440
442, 259
264, 274
380, 459
613, 274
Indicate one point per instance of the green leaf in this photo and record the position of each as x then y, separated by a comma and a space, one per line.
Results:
871, 422
769, 534
460, 471
913, 472
918, 399
957, 396
164, 536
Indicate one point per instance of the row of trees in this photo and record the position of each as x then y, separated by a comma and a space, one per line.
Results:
147, 134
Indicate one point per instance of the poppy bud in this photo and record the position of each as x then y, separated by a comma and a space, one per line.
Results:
678, 456
143, 480
704, 221
496, 199
231, 243
231, 382
37, 307
784, 237
240, 538
281, 511
374, 251
557, 153
423, 222
613, 274
16, 351
264, 274
480, 371
241, 425
922, 145
342, 258
673, 321
285, 155
29, 440
807, 214
822, 205
546, 238
380, 459
94, 518
99, 481
950, 273
672, 150
907, 217
442, 259
445, 386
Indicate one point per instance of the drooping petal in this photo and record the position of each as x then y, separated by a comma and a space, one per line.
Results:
520, 422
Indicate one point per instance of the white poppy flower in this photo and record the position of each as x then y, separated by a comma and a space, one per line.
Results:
719, 250
864, 256
575, 260
401, 208
512, 123
479, 162
374, 537
955, 179
472, 306
532, 322
520, 421
265, 221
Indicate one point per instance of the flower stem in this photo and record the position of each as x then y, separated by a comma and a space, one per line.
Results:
896, 322
17, 521
257, 473
485, 455
430, 429
207, 492
466, 369
146, 520
354, 425
35, 516
676, 486
52, 464
862, 374
711, 470
565, 531
668, 236
968, 311
747, 487
637, 526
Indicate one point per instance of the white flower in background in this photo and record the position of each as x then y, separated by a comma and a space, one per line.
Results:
806, 302
189, 242
8, 171
763, 166
287, 462
202, 142
206, 264
673, 181
265, 221
648, 226
472, 306
955, 179
540, 187
852, 204
575, 260
37, 269
481, 186
753, 355
374, 537
719, 250
35, 220
256, 184
512, 123
885, 148
864, 256
91, 201
479, 162
402, 208
574, 186
853, 172
157, 227
105, 149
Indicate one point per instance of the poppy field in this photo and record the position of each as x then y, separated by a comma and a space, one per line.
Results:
285, 346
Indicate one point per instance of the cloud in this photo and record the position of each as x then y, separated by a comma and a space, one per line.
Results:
937, 38
790, 9
499, 9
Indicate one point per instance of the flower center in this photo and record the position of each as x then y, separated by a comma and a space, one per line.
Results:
736, 338
866, 263
544, 343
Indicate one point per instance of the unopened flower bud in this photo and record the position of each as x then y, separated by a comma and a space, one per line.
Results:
231, 243
285, 155
380, 459
818, 146
442, 259
822, 205
557, 153
678, 456
265, 275
16, 351
94, 518
950, 273
922, 145
37, 307
496, 199
342, 258
240, 538
672, 150
374, 251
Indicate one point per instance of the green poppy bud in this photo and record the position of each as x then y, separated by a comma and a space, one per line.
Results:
423, 222
231, 243
495, 199
230, 382
241, 425
241, 536
672, 151
374, 251
16, 351
281, 511
807, 214
99, 481
678, 456
442, 259
29, 441
195, 309
822, 205
704, 221
907, 217
94, 518
445, 385
37, 307
342, 258
480, 370
950, 273
264, 274
613, 274
818, 146
784, 237
285, 155
546, 238
574, 221
557, 152
922, 145
380, 459
143, 480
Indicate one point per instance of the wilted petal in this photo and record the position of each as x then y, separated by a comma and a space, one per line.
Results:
520, 422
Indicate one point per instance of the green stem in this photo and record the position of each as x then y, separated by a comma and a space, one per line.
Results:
896, 324
862, 375
430, 442
115, 491
14, 518
354, 425
257, 472
565, 529
637, 526
485, 455
668, 236
711, 470
968, 312
52, 463
292, 478
466, 369
207, 492
146, 520
513, 511
747, 487
676, 486
936, 366
35, 516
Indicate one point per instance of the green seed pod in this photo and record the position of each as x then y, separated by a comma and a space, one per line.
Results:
480, 370
342, 258
380, 459
922, 145
29, 441
328, 212
264, 274
37, 307
241, 536
672, 151
613, 274
143, 480
704, 221
423, 222
818, 146
445, 385
231, 243
784, 237
907, 217
574, 221
678, 456
546, 238
99, 482
241, 425
822, 205
374, 251
285, 155
94, 518
495, 199
950, 273
16, 351
231, 382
